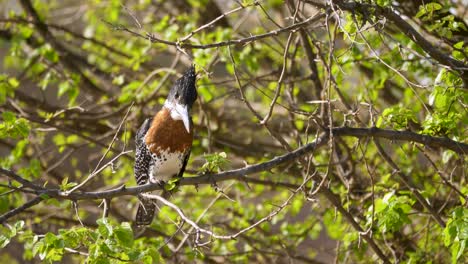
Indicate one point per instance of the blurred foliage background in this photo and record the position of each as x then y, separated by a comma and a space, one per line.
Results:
79, 77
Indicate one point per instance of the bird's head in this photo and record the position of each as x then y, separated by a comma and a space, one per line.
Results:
182, 96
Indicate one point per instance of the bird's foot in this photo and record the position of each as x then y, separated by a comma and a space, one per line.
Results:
156, 181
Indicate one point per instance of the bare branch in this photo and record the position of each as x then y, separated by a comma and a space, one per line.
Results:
20, 179
20, 209
154, 39
434, 142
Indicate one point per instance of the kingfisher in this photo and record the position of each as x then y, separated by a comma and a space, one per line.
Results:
163, 143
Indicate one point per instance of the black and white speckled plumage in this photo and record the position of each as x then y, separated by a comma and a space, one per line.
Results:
143, 166
143, 159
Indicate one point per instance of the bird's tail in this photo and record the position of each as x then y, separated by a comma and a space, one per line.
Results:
145, 212
147, 209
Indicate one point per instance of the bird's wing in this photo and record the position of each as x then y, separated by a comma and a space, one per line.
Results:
143, 158
182, 170
140, 135
143, 164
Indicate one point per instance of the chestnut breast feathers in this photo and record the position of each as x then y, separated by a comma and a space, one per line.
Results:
167, 134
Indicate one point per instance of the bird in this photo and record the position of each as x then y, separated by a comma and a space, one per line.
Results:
163, 142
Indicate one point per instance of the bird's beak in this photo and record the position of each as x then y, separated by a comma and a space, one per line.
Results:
182, 110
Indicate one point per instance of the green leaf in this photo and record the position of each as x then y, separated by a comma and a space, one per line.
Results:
26, 31
456, 233
397, 116
49, 53
69, 88
296, 206
214, 162
441, 124
44, 196
13, 127
334, 224
13, 82
67, 185
171, 185
4, 241
104, 227
38, 248
8, 234
428, 9
384, 3
350, 28
63, 88
391, 212
7, 87
128, 92
8, 117
124, 234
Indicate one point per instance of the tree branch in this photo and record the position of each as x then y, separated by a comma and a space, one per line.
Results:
405, 27
239, 174
20, 209
20, 179
180, 44
434, 142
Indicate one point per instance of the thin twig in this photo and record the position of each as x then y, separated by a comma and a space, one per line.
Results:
406, 180
212, 22
280, 80
232, 236
97, 170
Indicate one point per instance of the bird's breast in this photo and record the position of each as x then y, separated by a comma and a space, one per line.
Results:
166, 165
168, 134
168, 142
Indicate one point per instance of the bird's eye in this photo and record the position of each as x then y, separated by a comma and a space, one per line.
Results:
177, 95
